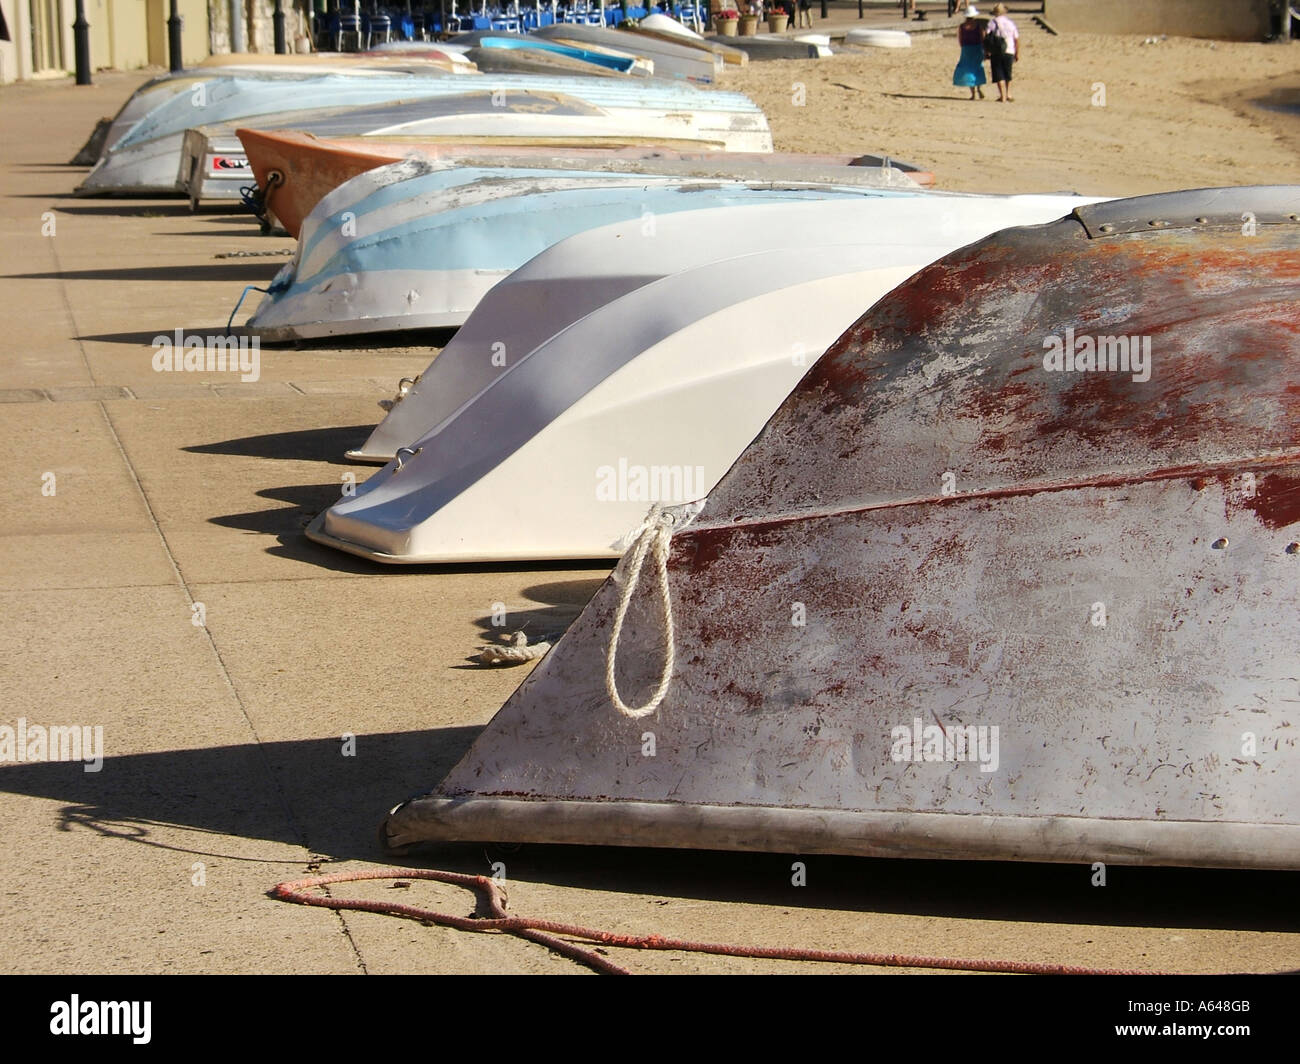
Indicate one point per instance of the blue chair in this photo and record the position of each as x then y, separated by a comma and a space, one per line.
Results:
377, 25
345, 25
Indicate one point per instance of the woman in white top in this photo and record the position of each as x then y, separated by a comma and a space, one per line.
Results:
1002, 46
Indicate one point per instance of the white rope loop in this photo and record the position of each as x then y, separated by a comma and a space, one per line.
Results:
655, 534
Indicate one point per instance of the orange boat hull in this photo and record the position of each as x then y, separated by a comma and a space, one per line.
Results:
295, 171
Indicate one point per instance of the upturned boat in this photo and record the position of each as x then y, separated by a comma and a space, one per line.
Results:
258, 67
672, 59
214, 166
485, 45
295, 170
147, 158
989, 585
417, 244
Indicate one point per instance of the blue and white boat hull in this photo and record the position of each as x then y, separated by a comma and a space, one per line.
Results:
418, 244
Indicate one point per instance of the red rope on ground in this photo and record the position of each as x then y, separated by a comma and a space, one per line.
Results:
544, 931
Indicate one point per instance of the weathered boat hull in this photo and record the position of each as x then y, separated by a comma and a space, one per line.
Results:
296, 170
939, 534
143, 152
159, 89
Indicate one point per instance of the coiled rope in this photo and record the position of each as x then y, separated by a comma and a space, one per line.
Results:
544, 932
516, 652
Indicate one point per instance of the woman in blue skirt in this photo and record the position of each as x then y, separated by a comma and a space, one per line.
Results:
970, 67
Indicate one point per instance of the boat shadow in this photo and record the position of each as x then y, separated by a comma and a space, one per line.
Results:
1014, 892
314, 445
250, 231
293, 545
288, 525
133, 339
301, 792
434, 339
306, 793
243, 269
93, 207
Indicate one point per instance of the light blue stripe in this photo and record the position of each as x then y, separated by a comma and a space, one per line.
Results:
612, 62
504, 234
427, 184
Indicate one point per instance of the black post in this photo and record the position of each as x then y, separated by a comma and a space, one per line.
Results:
174, 38
81, 42
824, 11
859, 8
278, 20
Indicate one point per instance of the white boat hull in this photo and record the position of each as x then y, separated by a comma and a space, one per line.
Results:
648, 398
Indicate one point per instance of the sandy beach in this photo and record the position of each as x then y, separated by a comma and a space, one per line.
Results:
225, 769
1176, 114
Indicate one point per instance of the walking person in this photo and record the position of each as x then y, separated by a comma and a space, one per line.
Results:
1002, 46
969, 73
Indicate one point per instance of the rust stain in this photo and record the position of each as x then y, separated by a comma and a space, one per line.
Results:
1275, 502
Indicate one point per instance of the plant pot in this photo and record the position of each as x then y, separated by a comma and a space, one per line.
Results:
748, 25
726, 26
777, 23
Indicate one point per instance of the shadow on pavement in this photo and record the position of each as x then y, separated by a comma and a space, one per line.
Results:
298, 793
235, 270
306, 793
316, 445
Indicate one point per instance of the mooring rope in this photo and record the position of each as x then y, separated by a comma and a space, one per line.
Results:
653, 534
247, 288
255, 197
544, 932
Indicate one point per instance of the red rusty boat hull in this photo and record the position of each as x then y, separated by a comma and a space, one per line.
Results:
957, 602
